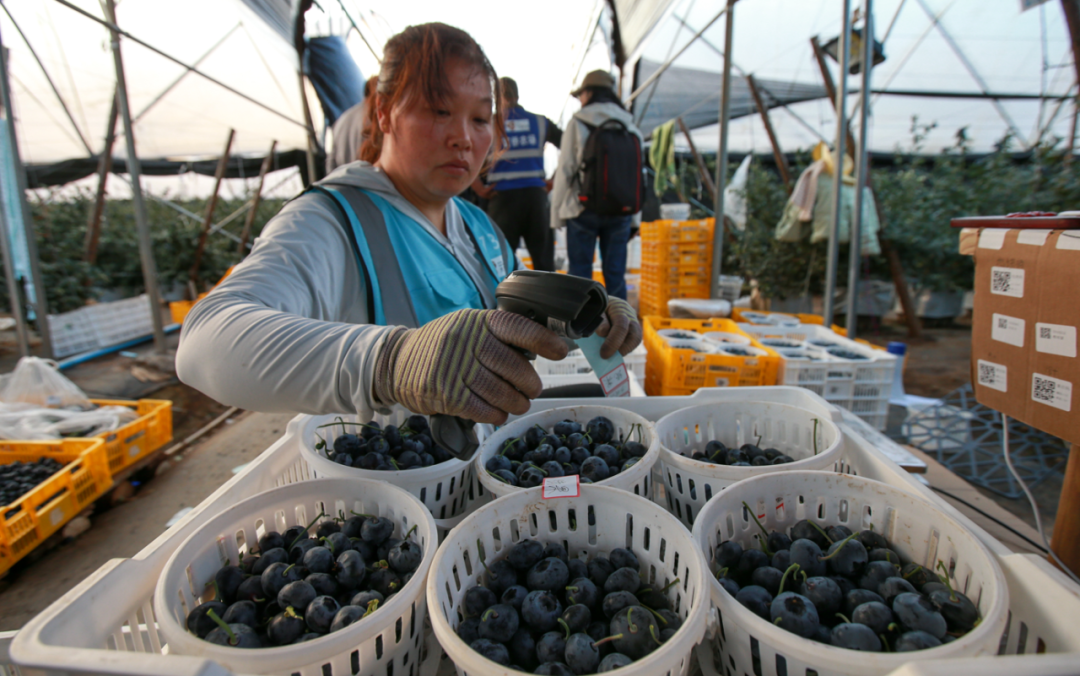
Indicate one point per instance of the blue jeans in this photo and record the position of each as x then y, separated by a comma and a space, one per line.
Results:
614, 234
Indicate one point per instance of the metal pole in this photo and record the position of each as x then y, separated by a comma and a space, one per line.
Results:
667, 64
722, 153
838, 168
41, 306
21, 335
862, 168
142, 222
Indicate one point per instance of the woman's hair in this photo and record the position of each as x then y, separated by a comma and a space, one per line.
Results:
367, 117
603, 95
414, 69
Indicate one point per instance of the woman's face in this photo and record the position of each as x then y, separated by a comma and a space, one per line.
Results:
436, 153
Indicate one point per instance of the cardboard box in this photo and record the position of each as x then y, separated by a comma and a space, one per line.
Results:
1024, 332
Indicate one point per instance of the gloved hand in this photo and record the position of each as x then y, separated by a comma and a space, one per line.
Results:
620, 328
465, 364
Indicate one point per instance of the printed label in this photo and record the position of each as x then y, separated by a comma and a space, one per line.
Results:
1069, 241
499, 265
1008, 330
1032, 237
616, 382
1007, 282
1051, 391
1056, 339
561, 487
518, 125
992, 238
994, 376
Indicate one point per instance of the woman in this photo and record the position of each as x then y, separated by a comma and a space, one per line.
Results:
599, 104
376, 287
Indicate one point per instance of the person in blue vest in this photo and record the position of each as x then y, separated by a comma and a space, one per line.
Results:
517, 187
377, 286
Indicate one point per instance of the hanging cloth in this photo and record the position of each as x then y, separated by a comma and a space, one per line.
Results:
662, 156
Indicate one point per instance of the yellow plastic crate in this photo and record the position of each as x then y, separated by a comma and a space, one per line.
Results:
737, 315
139, 438
682, 275
27, 522
179, 309
663, 253
678, 231
677, 368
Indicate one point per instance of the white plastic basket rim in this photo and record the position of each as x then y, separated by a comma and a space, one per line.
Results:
721, 337
294, 657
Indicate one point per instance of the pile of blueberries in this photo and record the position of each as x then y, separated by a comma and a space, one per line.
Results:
389, 448
19, 478
747, 455
301, 586
541, 611
592, 453
845, 589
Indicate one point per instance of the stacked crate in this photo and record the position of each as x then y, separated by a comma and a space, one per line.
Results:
676, 262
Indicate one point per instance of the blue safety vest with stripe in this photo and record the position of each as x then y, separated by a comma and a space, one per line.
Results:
410, 278
522, 163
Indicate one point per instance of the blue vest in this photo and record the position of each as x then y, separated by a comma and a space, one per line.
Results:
522, 163
410, 278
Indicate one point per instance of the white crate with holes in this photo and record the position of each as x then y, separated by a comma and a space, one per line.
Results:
107, 624
575, 363
845, 373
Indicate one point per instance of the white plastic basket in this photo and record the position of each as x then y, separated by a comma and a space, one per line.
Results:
721, 337
805, 431
620, 519
861, 386
917, 530
391, 636
635, 480
575, 363
445, 488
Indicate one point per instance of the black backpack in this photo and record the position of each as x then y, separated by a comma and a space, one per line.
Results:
610, 176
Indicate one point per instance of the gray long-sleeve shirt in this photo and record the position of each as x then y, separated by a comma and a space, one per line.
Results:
288, 330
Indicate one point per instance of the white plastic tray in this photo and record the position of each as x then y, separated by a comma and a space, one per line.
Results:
575, 363
119, 641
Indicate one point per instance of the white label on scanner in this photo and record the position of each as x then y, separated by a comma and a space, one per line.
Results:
992, 238
1032, 237
1056, 339
616, 382
1008, 330
1007, 282
1051, 391
994, 376
561, 487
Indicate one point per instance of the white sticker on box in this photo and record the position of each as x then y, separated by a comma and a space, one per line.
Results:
1009, 330
992, 238
561, 487
1056, 339
994, 376
1051, 391
1069, 241
1033, 237
1007, 282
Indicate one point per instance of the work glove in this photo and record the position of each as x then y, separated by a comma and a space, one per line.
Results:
465, 364
620, 329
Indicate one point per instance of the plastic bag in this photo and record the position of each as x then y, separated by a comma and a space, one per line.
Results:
735, 195
698, 308
39, 381
26, 422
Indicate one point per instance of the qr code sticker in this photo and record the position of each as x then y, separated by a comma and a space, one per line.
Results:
1044, 332
1001, 281
994, 376
1003, 323
987, 374
1043, 390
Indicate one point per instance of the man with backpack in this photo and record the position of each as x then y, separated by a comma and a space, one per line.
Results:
598, 189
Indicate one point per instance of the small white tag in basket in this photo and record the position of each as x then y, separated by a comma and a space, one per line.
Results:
561, 487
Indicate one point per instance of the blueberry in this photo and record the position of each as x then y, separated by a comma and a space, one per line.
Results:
541, 610
468, 630
595, 469
778, 541
350, 569
562, 455
296, 595
496, 652
893, 587
581, 655
531, 478
284, 628
525, 554
931, 587
327, 528
915, 640
497, 462
614, 661
767, 577
577, 618
822, 634
551, 647
251, 590
634, 632
872, 540
751, 560
506, 476
855, 637
578, 568
301, 547
228, 580
917, 575
805, 530
918, 613
958, 610
856, 597
616, 602
552, 469
346, 616
243, 637
199, 622
405, 557
877, 572
583, 591
271, 540
318, 560
579, 455
757, 599
599, 570
634, 449
807, 554
385, 581
652, 597
669, 620
338, 542
500, 575
623, 579
844, 583
795, 613
553, 669
600, 430
268, 558
276, 577
543, 453
565, 428
550, 574
319, 614
532, 436
499, 623
825, 594
514, 596
847, 557
377, 529
875, 615
729, 585
522, 648
838, 533
781, 560
885, 554
608, 454
363, 598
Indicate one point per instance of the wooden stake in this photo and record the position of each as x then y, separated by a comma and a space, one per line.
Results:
93, 224
250, 220
896, 268
702, 169
781, 161
223, 162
